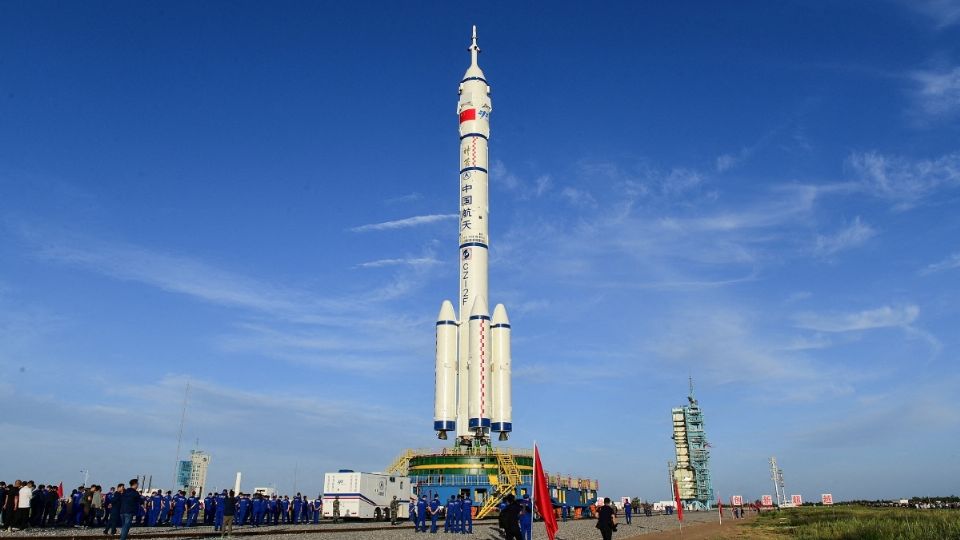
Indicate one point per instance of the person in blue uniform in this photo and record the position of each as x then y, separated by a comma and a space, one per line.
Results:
297, 507
448, 515
526, 518
422, 514
165, 508
412, 512
179, 505
317, 509
255, 509
153, 515
434, 513
457, 514
208, 509
243, 507
262, 518
142, 512
193, 509
564, 511
270, 506
628, 511
285, 509
218, 516
466, 509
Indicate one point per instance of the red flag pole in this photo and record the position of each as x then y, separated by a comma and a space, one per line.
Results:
676, 495
542, 496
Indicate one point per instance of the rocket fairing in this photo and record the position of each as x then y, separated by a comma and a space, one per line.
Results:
480, 384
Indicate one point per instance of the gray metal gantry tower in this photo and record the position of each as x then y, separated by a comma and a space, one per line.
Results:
692, 469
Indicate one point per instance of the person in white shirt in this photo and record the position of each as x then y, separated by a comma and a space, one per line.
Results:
22, 519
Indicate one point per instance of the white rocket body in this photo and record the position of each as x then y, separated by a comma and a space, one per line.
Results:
475, 389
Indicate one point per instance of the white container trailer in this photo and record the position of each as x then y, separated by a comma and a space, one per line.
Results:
365, 495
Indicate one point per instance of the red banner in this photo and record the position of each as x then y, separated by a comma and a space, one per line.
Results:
541, 495
676, 497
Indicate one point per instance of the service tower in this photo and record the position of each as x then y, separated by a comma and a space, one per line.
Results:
472, 394
692, 470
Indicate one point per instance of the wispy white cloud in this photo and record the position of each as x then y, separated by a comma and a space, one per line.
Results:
408, 261
853, 235
171, 272
726, 345
943, 13
578, 197
409, 197
404, 223
951, 262
523, 188
725, 162
937, 92
882, 317
903, 181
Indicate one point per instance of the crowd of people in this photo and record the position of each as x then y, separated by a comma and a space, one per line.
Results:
25, 504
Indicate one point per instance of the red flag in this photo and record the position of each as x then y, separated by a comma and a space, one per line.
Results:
60, 491
468, 114
676, 497
541, 496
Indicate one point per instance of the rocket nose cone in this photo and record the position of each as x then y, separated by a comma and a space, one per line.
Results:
500, 315
479, 307
446, 312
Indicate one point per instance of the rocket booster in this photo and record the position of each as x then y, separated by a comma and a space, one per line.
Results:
476, 355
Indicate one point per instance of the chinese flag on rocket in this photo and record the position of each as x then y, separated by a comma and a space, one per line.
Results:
468, 114
676, 497
541, 496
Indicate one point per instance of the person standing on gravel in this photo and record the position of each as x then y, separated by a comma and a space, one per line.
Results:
394, 510
129, 503
422, 514
510, 517
113, 519
218, 512
229, 511
466, 510
606, 521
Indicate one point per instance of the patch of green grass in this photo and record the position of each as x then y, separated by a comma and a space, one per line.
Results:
862, 523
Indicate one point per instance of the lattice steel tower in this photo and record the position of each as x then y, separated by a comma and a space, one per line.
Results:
692, 470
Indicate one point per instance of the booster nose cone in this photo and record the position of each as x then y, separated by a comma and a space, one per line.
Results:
500, 315
479, 307
446, 312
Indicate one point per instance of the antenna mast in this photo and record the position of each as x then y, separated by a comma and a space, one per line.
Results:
183, 418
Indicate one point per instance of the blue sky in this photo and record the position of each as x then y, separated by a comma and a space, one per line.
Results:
257, 199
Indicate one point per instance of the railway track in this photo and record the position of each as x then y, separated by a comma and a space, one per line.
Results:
135, 534
185, 534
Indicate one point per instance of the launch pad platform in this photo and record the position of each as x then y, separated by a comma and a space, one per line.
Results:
487, 475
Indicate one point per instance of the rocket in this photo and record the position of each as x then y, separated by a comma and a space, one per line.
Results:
472, 394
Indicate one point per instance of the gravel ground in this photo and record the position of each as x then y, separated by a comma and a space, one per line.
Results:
583, 529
